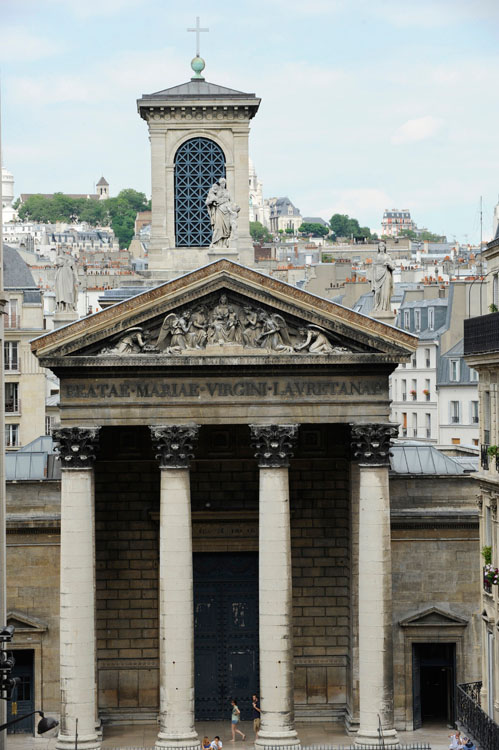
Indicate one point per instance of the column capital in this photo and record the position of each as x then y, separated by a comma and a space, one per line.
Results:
76, 446
273, 444
174, 444
371, 443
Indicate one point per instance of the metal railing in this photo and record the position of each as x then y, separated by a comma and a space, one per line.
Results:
483, 730
481, 334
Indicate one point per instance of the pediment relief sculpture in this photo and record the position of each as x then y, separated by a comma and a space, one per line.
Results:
224, 326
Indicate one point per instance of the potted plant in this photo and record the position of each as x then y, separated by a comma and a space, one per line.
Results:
426, 392
490, 575
413, 394
492, 450
487, 555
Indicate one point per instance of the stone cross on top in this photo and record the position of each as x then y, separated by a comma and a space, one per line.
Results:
197, 30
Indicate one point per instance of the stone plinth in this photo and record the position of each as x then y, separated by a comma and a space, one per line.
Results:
63, 318
384, 316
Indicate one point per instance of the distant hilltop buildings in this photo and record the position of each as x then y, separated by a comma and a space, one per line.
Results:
395, 220
102, 193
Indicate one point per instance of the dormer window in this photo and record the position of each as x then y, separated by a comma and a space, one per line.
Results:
417, 320
431, 318
454, 370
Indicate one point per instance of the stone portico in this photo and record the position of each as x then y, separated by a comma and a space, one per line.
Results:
224, 452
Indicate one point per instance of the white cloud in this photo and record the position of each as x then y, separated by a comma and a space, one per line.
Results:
91, 8
362, 203
19, 44
418, 129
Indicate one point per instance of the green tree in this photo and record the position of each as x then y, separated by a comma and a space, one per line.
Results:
311, 227
289, 230
345, 226
123, 210
259, 233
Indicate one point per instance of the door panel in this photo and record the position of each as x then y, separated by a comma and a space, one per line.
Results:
23, 699
226, 633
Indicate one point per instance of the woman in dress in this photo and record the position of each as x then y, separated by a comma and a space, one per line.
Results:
236, 715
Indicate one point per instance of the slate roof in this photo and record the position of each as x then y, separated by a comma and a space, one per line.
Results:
198, 88
102, 181
315, 220
16, 272
443, 368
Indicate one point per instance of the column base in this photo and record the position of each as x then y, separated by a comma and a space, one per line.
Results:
168, 742
368, 738
277, 739
85, 742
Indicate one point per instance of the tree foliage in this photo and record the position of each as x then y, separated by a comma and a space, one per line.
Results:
424, 236
259, 233
311, 227
345, 226
119, 212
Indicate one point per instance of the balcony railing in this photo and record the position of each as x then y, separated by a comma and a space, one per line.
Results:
483, 729
487, 586
481, 334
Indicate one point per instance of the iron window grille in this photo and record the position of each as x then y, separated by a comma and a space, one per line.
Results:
199, 162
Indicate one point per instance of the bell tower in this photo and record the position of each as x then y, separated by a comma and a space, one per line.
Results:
199, 173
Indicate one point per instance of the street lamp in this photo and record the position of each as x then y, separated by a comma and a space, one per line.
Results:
45, 724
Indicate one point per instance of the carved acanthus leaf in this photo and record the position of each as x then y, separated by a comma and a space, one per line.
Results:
76, 446
273, 444
174, 444
371, 443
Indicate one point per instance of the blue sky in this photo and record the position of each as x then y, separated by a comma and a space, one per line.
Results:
366, 104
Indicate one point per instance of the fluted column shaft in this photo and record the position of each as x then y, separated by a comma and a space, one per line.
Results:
273, 444
371, 447
77, 594
176, 614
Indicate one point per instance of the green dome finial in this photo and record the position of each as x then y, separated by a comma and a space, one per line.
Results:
198, 65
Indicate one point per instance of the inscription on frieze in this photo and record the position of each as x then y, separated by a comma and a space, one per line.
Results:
157, 389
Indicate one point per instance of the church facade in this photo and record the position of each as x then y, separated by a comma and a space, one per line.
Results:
230, 433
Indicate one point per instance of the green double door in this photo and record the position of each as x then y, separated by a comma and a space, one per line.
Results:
225, 633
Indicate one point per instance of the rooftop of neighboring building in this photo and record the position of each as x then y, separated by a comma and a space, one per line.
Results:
447, 375
280, 206
198, 87
412, 457
315, 220
16, 273
102, 181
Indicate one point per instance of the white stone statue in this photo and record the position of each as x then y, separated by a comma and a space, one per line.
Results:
382, 279
223, 214
66, 283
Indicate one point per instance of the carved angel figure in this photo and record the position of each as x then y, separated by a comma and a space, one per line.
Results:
275, 334
172, 337
131, 342
316, 342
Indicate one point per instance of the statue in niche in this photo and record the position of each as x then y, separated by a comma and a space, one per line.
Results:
66, 283
223, 214
275, 334
382, 279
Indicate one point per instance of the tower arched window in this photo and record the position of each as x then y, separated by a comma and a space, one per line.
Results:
199, 162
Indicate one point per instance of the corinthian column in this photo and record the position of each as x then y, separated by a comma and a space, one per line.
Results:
371, 448
77, 448
173, 445
273, 445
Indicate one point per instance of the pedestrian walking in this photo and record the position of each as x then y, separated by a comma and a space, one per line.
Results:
256, 714
236, 715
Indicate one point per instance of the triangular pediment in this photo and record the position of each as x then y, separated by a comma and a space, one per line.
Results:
433, 617
221, 311
25, 623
